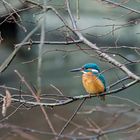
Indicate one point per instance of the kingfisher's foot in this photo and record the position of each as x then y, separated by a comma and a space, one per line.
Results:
102, 98
89, 96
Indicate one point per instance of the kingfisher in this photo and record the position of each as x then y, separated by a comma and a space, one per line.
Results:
92, 78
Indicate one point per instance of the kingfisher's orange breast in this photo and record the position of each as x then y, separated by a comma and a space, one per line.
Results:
92, 84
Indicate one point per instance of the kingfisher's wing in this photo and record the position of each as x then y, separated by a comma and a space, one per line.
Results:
102, 78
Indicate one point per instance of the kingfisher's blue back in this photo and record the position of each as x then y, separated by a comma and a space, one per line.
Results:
102, 78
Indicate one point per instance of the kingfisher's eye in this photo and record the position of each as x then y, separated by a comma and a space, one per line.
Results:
83, 68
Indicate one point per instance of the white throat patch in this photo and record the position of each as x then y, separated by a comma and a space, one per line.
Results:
93, 70
83, 71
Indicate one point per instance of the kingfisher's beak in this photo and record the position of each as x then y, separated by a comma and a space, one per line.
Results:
76, 70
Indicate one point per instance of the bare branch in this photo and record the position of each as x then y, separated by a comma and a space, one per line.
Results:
98, 50
37, 99
73, 115
122, 6
68, 99
32, 42
7, 62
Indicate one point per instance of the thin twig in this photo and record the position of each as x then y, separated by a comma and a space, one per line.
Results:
7, 62
122, 6
40, 48
37, 99
71, 118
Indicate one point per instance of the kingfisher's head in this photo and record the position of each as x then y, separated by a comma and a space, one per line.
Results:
89, 67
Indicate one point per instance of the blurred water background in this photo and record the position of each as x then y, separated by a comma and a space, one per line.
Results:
96, 20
